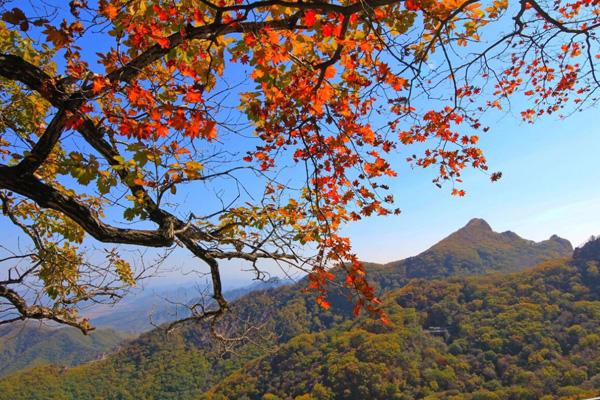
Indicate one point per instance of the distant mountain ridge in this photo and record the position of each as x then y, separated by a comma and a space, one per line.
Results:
590, 251
146, 311
191, 362
476, 249
25, 345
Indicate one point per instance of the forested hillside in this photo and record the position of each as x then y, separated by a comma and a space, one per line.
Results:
530, 335
26, 345
186, 362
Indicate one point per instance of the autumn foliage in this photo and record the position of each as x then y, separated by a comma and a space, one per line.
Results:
111, 110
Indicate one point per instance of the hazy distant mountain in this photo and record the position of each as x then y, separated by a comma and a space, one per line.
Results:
26, 345
272, 283
148, 309
184, 363
142, 310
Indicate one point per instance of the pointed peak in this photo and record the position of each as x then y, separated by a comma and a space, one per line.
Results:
558, 239
478, 223
469, 236
511, 235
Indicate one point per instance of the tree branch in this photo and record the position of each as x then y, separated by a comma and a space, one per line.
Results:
16, 69
48, 197
38, 312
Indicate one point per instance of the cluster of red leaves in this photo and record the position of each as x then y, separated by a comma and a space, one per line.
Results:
443, 125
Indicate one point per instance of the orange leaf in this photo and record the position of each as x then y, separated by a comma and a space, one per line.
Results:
210, 130
99, 84
330, 72
109, 10
193, 97
57, 36
323, 303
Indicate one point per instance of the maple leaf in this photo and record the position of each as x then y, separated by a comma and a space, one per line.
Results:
257, 73
16, 17
330, 72
108, 9
162, 41
73, 122
99, 83
323, 303
193, 96
310, 18
496, 176
210, 130
178, 120
327, 30
58, 37
412, 5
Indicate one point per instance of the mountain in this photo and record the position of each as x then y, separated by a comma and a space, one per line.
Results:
477, 249
142, 310
528, 335
589, 252
472, 250
185, 363
26, 345
145, 310
271, 283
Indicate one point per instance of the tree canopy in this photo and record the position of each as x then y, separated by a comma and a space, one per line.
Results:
165, 124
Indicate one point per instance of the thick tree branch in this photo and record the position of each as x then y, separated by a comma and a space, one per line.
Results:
15, 68
48, 197
39, 312
42, 149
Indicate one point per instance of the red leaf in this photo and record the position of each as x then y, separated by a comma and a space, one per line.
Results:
327, 30
210, 130
310, 18
412, 5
